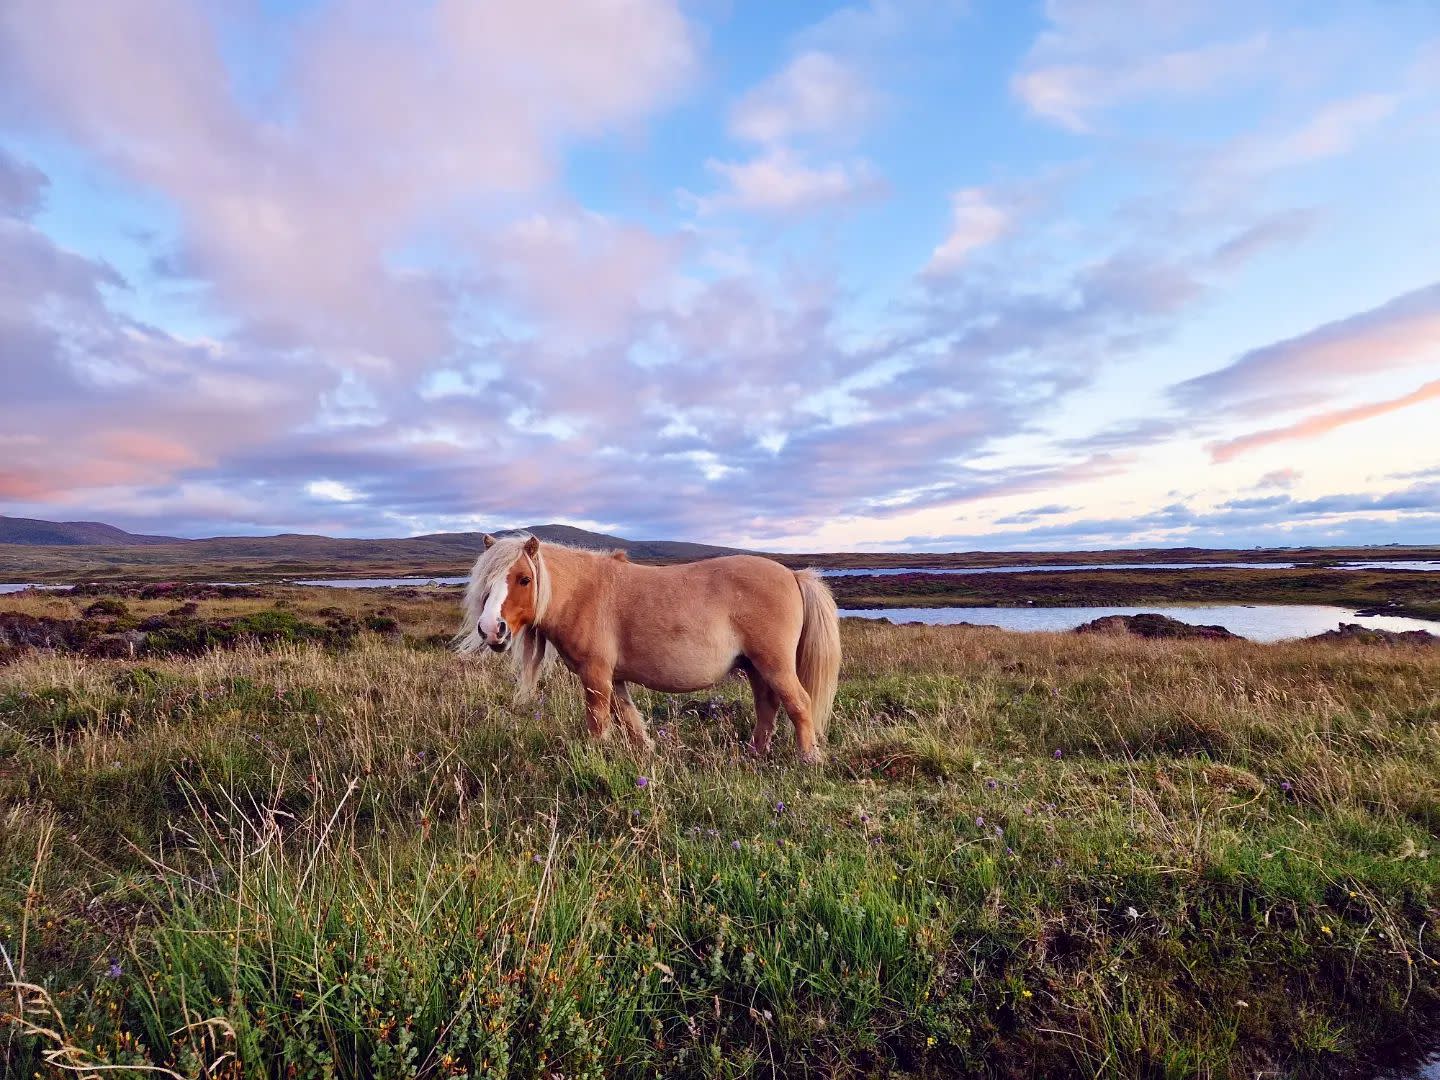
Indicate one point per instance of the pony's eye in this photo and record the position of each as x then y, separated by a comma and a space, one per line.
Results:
524, 580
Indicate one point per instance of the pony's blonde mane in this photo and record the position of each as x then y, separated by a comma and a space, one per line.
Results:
531, 648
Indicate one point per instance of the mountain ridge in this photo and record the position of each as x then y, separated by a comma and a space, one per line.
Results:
37, 532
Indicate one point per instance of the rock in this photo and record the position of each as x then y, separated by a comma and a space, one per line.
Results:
19, 631
1153, 625
125, 645
1363, 635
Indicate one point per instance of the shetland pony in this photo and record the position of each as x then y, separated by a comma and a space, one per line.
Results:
670, 628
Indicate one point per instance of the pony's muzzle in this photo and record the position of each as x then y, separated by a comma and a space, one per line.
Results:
499, 638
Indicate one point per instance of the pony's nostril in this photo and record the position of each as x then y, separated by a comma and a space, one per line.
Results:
501, 629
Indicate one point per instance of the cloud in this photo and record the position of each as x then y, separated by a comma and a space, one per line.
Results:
1096, 57
779, 182
581, 274
1024, 517
815, 94
975, 222
1279, 478
1312, 427
1282, 229
22, 187
1402, 332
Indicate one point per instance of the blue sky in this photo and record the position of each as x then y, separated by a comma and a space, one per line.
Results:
917, 273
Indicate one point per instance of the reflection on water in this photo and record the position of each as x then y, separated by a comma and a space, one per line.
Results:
1431, 565
1261, 622
382, 582
862, 571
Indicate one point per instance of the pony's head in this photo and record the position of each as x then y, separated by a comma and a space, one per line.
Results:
507, 594
505, 602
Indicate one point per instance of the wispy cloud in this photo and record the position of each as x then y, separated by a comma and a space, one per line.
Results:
1400, 333
1312, 427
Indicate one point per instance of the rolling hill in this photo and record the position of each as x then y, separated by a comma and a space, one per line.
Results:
18, 530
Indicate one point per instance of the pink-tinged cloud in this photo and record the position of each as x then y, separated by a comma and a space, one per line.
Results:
1314, 426
585, 276
976, 221
781, 182
815, 94
1401, 333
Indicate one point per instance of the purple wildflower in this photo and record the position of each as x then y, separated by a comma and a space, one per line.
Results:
779, 808
114, 971
999, 831
992, 784
642, 781
735, 844
1285, 785
537, 858
979, 821
1059, 753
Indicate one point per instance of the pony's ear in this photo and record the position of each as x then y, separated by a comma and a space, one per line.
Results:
532, 546
489, 541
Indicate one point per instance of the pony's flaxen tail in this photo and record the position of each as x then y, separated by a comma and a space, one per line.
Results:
817, 657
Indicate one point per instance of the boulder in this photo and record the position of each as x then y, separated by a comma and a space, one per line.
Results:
1153, 625
1363, 635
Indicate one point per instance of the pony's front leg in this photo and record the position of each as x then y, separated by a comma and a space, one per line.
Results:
630, 719
598, 689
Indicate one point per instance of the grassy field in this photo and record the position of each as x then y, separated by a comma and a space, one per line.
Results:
1027, 855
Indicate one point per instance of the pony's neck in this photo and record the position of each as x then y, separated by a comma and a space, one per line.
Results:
566, 574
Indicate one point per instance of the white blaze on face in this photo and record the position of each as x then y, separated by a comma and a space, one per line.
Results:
490, 614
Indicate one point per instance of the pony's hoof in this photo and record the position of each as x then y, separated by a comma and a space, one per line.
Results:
812, 757
756, 751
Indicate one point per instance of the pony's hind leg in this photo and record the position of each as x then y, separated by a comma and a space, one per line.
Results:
630, 719
767, 704
785, 684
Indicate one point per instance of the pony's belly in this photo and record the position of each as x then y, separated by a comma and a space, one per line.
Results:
677, 676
